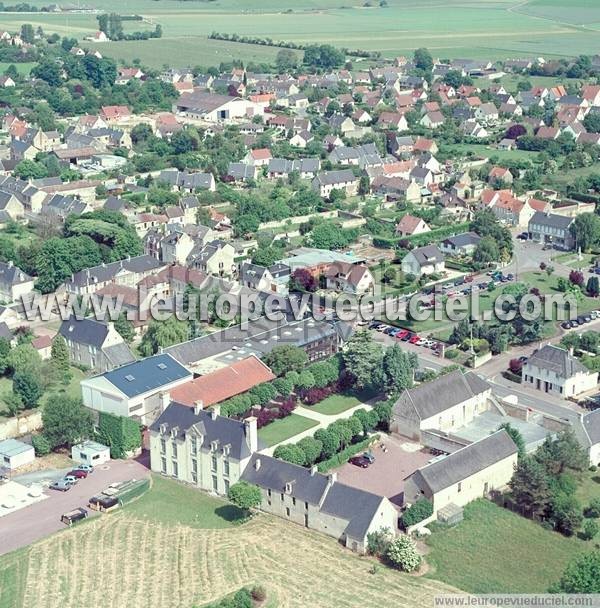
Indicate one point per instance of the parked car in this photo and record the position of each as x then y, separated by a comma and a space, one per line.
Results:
61, 485
374, 325
566, 325
407, 337
369, 456
400, 335
382, 327
70, 479
74, 516
360, 461
523, 359
78, 473
390, 330
415, 339
88, 468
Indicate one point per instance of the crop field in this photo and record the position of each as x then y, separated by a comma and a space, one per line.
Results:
130, 558
492, 29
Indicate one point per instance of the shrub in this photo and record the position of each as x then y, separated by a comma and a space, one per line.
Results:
593, 510
284, 386
305, 380
451, 354
41, 445
421, 510
324, 373
316, 395
590, 529
290, 453
379, 541
262, 393
259, 593
266, 416
402, 554
292, 376
311, 448
286, 407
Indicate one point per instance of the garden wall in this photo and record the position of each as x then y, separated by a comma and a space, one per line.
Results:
23, 425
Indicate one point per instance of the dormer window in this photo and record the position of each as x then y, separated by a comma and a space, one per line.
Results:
288, 487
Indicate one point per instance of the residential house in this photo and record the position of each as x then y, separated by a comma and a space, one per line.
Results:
14, 283
472, 472
463, 244
446, 403
183, 181
409, 225
282, 167
275, 278
423, 260
552, 228
555, 370
201, 447
319, 502
349, 278
216, 258
95, 345
327, 181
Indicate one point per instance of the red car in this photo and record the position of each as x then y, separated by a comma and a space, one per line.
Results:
78, 473
401, 334
360, 461
415, 339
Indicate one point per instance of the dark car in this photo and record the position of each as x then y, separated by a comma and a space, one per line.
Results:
566, 325
407, 337
360, 461
78, 473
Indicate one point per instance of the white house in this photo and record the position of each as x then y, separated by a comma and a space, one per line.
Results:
15, 453
423, 260
90, 452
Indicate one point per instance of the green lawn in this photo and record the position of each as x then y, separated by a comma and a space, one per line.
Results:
480, 150
572, 260
589, 487
496, 551
285, 428
336, 404
171, 502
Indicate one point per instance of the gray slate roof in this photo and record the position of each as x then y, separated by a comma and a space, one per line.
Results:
431, 398
430, 254
551, 220
12, 275
224, 430
558, 360
465, 462
84, 331
146, 375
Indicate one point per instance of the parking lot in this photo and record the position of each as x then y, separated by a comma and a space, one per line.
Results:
38, 520
386, 475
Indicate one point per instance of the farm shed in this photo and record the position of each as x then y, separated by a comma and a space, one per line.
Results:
90, 452
15, 453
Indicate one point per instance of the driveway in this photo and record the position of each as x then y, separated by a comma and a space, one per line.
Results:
41, 519
386, 475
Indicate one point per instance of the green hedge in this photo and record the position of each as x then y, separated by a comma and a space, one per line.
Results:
461, 266
119, 433
418, 240
347, 453
421, 510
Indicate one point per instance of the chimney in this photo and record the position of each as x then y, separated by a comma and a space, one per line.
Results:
251, 431
570, 351
331, 479
313, 470
10, 263
257, 464
198, 406
164, 399
215, 410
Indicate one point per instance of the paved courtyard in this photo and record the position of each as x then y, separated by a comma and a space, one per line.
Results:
22, 527
386, 475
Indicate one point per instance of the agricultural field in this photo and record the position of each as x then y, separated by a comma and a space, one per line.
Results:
132, 559
494, 29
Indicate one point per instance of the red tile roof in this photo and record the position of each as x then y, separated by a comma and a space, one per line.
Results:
224, 383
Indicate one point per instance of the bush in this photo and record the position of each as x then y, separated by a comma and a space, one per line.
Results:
452, 354
41, 445
402, 554
421, 510
305, 380
590, 529
324, 373
259, 593
262, 394
593, 509
284, 386
290, 453
311, 449
379, 541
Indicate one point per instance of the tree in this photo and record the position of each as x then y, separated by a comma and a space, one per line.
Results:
24, 357
486, 252
379, 541
27, 33
516, 436
66, 421
285, 358
420, 510
402, 554
485, 224
27, 384
40, 445
529, 487
593, 286
286, 60
125, 328
576, 278
590, 529
566, 513
290, 453
582, 575
561, 453
592, 122
49, 71
363, 358
303, 280
423, 60
329, 235
245, 495
161, 334
586, 231
59, 355
312, 449
398, 369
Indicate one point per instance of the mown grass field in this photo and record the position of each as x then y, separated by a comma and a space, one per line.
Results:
494, 550
126, 559
492, 29
285, 428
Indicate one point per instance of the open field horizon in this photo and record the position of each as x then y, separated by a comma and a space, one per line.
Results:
494, 29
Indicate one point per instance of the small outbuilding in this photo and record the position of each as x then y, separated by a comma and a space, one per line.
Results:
90, 452
15, 453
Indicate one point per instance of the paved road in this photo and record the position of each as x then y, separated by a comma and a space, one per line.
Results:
41, 519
